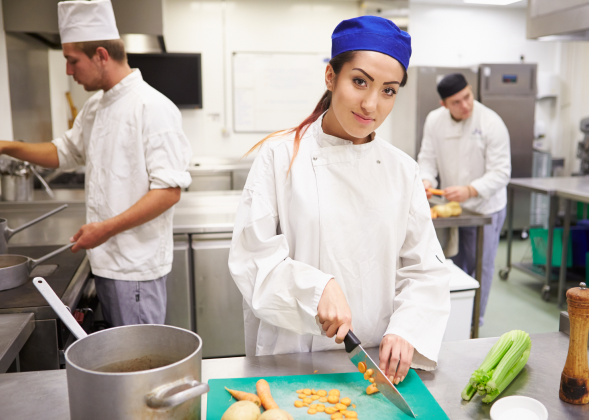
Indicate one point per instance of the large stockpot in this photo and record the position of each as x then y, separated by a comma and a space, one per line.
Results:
17, 181
18, 187
131, 372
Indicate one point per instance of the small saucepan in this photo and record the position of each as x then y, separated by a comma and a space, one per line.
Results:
131, 372
6, 233
16, 269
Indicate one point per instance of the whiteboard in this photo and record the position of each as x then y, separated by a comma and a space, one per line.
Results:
275, 91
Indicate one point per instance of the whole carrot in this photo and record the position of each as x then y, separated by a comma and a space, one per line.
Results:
244, 396
435, 191
263, 391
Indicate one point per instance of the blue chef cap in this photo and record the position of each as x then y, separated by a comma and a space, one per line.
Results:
372, 33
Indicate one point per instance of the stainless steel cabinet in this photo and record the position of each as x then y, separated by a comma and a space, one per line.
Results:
179, 308
510, 90
218, 301
211, 181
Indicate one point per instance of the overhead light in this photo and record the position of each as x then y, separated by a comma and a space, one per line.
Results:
492, 2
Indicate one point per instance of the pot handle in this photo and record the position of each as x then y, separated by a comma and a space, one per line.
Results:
176, 393
9, 232
34, 263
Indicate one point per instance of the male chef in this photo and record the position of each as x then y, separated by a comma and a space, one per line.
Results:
467, 145
129, 137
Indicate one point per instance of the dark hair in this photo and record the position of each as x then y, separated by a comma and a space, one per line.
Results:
114, 47
323, 105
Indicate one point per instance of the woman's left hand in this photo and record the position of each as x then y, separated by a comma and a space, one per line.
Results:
395, 357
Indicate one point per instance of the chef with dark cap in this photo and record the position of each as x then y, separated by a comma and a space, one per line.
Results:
467, 145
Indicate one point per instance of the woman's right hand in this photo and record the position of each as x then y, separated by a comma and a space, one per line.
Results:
427, 186
334, 312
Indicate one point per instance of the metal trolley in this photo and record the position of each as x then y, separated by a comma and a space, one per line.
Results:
571, 189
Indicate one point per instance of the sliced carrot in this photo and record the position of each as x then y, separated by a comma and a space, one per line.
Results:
263, 391
435, 191
371, 389
362, 367
244, 396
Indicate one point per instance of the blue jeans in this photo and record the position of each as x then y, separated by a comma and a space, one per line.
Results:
465, 259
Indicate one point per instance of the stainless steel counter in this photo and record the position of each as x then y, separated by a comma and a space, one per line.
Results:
196, 212
206, 212
44, 394
466, 218
573, 188
15, 330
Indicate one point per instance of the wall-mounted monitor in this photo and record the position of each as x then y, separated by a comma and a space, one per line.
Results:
177, 76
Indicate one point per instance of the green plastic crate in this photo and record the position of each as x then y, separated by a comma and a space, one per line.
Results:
539, 245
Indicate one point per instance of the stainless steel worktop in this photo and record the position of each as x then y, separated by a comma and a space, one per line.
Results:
457, 360
574, 188
15, 330
466, 218
44, 394
206, 212
196, 212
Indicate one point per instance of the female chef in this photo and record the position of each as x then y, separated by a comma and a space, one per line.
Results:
333, 231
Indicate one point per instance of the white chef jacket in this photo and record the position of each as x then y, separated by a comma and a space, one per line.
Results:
356, 213
475, 152
130, 138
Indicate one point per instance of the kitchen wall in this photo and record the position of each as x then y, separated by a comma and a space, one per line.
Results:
5, 113
217, 29
59, 84
442, 35
456, 36
572, 102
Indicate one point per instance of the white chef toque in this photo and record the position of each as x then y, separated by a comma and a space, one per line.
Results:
81, 21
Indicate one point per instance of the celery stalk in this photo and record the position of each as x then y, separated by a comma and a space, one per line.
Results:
498, 385
501, 365
510, 359
468, 392
484, 373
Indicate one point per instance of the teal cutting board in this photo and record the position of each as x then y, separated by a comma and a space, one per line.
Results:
351, 385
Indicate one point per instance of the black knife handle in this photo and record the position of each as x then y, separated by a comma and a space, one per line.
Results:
351, 342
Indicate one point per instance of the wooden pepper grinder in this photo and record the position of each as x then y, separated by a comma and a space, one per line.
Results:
574, 378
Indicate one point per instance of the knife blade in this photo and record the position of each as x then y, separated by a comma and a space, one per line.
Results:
357, 354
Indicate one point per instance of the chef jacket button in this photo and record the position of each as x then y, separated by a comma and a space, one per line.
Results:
378, 161
315, 158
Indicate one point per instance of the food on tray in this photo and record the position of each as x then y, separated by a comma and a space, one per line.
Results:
263, 391
275, 414
502, 364
244, 396
446, 210
242, 410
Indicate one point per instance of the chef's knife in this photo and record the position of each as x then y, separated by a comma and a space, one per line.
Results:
357, 354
